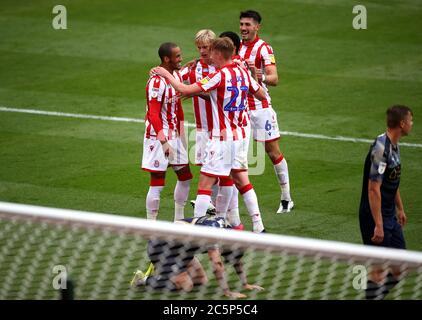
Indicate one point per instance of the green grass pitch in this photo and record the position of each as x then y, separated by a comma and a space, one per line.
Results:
334, 81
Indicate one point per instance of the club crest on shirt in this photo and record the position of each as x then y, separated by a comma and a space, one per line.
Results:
381, 167
154, 94
151, 148
395, 173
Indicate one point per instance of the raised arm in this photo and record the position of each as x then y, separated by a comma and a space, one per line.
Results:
190, 64
177, 85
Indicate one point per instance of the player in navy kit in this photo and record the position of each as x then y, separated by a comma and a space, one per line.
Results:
381, 213
175, 267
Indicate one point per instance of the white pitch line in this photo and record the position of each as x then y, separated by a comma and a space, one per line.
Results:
70, 115
323, 137
191, 125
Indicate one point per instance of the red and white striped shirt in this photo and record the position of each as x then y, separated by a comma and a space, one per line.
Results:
228, 89
239, 60
262, 55
201, 107
164, 109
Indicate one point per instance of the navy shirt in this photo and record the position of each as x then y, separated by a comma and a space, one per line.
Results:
216, 222
382, 164
172, 257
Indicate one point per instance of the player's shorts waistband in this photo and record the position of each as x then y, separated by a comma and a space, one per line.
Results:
154, 137
228, 138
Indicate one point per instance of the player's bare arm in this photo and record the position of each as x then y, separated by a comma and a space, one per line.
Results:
374, 195
167, 150
219, 272
190, 64
203, 95
252, 68
270, 75
260, 94
196, 272
402, 218
180, 87
238, 266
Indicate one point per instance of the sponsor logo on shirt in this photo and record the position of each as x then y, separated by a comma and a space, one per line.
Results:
172, 100
204, 81
395, 173
234, 81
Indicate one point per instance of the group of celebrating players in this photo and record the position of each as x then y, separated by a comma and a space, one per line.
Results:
228, 86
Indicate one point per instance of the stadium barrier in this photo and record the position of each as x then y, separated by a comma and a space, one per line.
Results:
45, 252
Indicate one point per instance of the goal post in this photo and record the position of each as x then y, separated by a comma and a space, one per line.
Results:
42, 249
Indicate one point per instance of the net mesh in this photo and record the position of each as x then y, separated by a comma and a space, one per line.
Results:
99, 261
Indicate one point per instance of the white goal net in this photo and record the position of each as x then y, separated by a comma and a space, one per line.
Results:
48, 253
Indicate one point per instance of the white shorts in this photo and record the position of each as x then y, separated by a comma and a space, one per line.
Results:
264, 124
221, 157
201, 138
154, 160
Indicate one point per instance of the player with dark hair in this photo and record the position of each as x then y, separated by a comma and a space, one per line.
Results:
259, 56
251, 14
381, 212
175, 267
164, 142
234, 38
